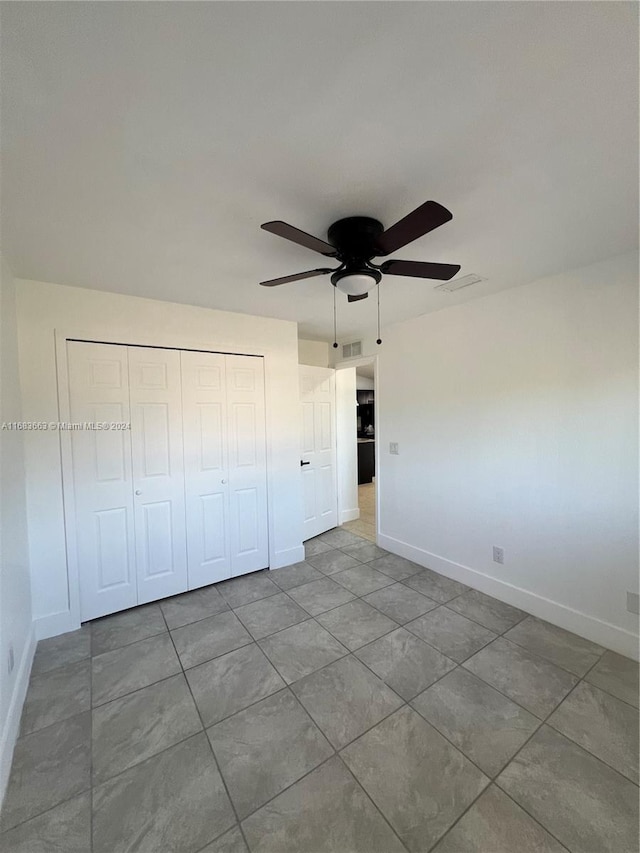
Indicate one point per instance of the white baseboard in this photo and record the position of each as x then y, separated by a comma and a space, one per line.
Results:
590, 627
287, 557
55, 624
349, 515
11, 727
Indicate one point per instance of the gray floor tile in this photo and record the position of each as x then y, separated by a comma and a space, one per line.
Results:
396, 567
435, 586
330, 562
123, 670
129, 626
578, 799
364, 551
356, 623
450, 633
345, 699
617, 675
321, 595
326, 812
404, 662
420, 783
313, 547
247, 588
602, 724
56, 695
264, 749
295, 575
495, 824
132, 729
232, 682
231, 842
490, 612
209, 638
272, 614
49, 766
534, 683
174, 801
556, 645
192, 606
63, 829
486, 726
340, 538
301, 649
400, 603
361, 580
58, 651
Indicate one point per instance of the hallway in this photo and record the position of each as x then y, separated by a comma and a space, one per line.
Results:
365, 526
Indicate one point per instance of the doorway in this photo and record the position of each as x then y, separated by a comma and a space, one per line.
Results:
363, 440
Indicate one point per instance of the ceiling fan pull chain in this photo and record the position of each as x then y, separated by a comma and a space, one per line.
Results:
379, 341
335, 325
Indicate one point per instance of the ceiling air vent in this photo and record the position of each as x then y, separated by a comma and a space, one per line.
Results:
459, 283
352, 350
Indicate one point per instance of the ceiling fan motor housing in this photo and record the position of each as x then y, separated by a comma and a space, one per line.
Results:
355, 238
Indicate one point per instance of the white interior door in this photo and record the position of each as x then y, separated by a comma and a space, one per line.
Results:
158, 472
204, 414
247, 464
318, 450
104, 524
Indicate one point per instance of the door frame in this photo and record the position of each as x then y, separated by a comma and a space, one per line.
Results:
359, 362
159, 340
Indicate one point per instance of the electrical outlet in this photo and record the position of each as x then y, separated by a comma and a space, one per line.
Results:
498, 554
11, 660
633, 602
393, 447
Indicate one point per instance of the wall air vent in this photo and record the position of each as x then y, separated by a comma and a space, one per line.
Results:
352, 350
459, 283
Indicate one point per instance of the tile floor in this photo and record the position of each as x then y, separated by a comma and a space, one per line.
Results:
365, 526
352, 703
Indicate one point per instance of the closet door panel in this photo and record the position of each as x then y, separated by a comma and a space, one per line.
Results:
247, 464
158, 472
205, 464
102, 477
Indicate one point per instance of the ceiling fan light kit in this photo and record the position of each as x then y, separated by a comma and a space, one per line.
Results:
356, 240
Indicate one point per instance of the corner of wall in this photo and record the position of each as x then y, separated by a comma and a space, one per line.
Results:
11, 726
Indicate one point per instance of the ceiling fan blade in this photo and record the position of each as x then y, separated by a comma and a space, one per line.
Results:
360, 296
420, 269
281, 229
274, 282
423, 219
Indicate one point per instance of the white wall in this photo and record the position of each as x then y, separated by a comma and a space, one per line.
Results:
15, 594
363, 383
43, 308
517, 422
314, 353
347, 446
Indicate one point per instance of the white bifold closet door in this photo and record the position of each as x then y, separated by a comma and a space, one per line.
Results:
102, 479
225, 465
179, 500
158, 472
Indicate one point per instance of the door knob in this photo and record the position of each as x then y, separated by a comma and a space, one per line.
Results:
138, 492
304, 463
224, 482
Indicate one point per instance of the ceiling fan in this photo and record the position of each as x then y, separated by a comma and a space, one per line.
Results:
354, 241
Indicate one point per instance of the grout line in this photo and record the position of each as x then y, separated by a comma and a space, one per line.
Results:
368, 796
204, 731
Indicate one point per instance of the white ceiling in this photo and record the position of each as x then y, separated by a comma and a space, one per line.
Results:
144, 143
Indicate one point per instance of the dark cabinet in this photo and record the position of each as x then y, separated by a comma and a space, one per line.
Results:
366, 461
